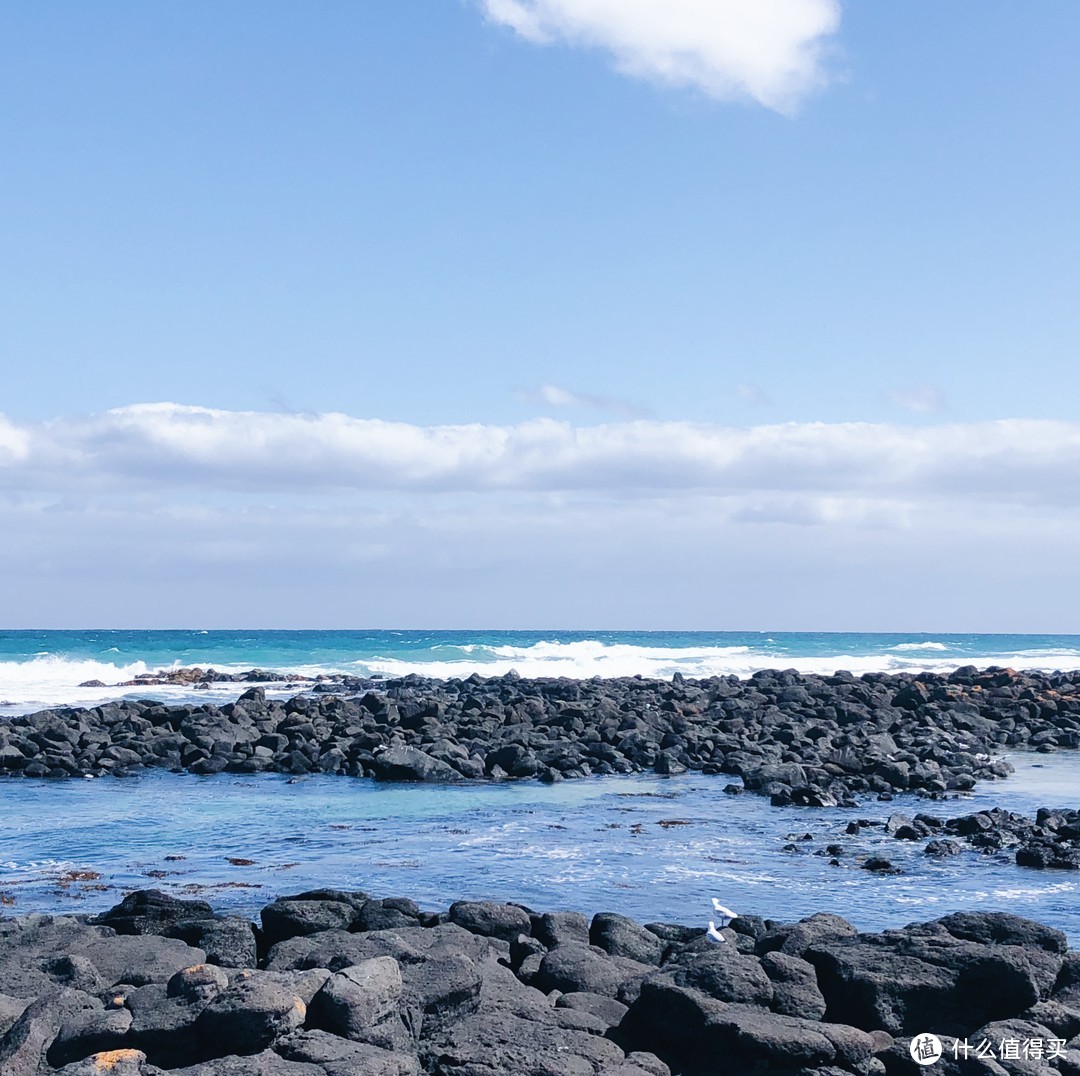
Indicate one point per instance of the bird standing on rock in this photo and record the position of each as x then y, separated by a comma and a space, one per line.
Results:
726, 915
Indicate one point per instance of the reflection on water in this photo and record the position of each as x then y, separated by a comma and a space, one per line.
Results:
653, 848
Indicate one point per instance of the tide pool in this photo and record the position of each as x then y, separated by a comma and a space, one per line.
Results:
650, 847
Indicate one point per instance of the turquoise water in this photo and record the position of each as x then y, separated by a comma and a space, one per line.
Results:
39, 668
650, 847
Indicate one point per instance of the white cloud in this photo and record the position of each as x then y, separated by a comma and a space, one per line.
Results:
767, 50
157, 447
750, 393
554, 396
923, 399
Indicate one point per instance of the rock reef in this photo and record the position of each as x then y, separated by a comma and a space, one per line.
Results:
333, 983
799, 739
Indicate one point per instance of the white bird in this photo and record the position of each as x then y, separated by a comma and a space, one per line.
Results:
715, 935
726, 913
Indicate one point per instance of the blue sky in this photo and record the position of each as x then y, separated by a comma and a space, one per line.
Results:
506, 213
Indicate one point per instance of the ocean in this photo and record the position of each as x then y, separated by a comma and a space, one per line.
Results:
656, 848
45, 668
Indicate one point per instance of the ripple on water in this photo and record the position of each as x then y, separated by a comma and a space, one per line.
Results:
650, 847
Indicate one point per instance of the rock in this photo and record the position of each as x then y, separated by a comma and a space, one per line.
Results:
124, 1062
722, 973
266, 1063
926, 976
199, 983
10, 1011
340, 1057
149, 911
22, 1049
503, 1043
88, 1032
228, 942
360, 1001
139, 960
610, 1011
388, 914
555, 928
298, 918
31, 944
412, 764
441, 989
619, 936
795, 938
491, 920
248, 1017
795, 987
575, 968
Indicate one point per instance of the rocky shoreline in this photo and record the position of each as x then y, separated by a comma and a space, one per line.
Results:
799, 739
336, 983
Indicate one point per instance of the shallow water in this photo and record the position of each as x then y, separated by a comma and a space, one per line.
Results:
650, 847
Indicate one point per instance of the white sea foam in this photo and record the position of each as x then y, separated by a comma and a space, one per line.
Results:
589, 658
52, 680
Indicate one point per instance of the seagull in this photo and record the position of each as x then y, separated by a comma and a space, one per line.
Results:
715, 935
726, 914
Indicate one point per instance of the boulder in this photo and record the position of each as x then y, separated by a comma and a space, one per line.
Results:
123, 1062
503, 1043
400, 763
555, 928
361, 1002
22, 1049
620, 936
795, 987
248, 1016
298, 918
341, 1057
149, 911
723, 973
926, 976
573, 968
491, 920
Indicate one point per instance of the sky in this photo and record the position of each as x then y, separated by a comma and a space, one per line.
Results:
673, 314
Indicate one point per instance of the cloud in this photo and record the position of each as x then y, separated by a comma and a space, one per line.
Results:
554, 396
753, 394
770, 51
158, 447
922, 399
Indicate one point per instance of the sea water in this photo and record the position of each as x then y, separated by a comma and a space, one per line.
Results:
44, 668
650, 847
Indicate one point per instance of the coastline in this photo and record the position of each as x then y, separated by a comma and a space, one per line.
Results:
813, 998
339, 983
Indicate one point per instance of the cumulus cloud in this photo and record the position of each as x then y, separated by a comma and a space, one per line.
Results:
168, 446
923, 399
554, 396
768, 50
